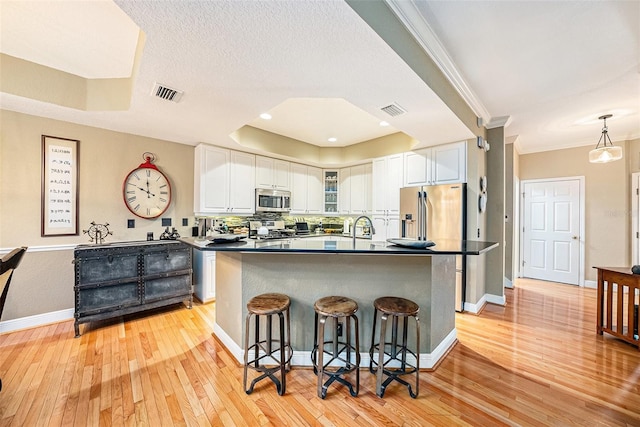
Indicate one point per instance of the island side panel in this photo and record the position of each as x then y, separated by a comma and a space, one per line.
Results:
307, 277
231, 307
440, 314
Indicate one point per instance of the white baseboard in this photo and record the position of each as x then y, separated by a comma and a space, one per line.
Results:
486, 298
507, 283
303, 358
496, 299
36, 320
591, 284
475, 308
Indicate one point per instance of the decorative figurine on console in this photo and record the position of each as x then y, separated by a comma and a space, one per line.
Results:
166, 235
97, 232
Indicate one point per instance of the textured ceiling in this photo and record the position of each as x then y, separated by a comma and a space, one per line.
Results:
90, 39
553, 67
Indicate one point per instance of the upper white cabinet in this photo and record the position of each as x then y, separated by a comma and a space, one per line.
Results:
306, 189
387, 177
360, 189
387, 180
241, 183
344, 191
272, 173
449, 163
442, 164
417, 167
332, 190
223, 181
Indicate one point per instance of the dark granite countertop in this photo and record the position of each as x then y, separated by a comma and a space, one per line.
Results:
338, 244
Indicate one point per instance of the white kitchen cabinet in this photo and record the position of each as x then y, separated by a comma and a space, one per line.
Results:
387, 180
449, 163
223, 181
361, 189
442, 164
306, 189
241, 183
204, 275
417, 167
386, 227
331, 190
211, 180
344, 191
272, 173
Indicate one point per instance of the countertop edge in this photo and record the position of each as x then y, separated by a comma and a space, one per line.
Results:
380, 248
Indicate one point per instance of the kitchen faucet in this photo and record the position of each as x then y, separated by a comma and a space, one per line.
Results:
372, 230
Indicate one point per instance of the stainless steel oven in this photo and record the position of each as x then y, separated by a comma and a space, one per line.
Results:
272, 200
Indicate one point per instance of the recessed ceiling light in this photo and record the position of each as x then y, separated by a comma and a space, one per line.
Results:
383, 123
265, 116
332, 139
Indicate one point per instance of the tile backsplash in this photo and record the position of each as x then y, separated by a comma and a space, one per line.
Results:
332, 222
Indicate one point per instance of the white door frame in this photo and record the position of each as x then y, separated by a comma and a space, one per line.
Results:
517, 228
635, 221
581, 240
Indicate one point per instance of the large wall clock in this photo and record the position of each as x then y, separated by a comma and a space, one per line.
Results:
146, 190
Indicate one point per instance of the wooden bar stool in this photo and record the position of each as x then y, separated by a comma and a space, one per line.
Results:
268, 358
392, 360
338, 351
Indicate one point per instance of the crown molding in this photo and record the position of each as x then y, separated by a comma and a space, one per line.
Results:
414, 21
497, 122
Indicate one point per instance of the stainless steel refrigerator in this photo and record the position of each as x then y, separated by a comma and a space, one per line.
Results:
434, 212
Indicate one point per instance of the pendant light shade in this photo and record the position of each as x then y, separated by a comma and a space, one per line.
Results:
607, 152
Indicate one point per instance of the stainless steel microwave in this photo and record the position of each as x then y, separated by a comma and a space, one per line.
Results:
272, 200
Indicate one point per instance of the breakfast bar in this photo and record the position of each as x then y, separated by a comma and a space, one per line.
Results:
311, 268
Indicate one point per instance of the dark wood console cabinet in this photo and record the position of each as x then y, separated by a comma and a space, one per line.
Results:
122, 278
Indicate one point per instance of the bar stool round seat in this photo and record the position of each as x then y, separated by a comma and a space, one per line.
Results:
271, 354
335, 306
394, 359
339, 355
266, 304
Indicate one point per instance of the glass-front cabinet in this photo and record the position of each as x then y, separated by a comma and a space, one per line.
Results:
330, 191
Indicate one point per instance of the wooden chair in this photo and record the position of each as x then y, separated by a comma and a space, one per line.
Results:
8, 264
12, 259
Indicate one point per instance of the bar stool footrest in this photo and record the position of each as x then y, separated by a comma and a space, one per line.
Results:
393, 374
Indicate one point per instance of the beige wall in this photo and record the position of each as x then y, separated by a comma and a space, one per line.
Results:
266, 143
106, 158
607, 198
510, 159
495, 212
476, 221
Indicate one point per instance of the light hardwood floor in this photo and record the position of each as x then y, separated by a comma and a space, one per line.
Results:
537, 361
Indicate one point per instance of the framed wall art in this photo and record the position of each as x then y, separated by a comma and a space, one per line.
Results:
60, 166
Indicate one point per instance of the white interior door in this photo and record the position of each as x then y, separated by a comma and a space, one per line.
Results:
551, 230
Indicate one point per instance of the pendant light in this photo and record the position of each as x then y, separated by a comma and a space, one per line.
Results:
608, 152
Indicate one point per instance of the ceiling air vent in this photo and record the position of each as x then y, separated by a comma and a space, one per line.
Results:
393, 110
165, 92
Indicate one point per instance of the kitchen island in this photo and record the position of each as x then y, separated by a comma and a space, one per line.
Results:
307, 269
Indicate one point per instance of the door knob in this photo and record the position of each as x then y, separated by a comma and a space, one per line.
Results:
574, 237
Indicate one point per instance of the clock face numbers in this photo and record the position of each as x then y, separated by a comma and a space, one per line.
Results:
147, 192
